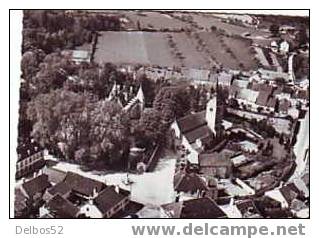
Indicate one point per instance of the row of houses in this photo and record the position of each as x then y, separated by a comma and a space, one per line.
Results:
54, 194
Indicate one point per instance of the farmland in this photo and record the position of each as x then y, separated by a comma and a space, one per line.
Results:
154, 20
134, 48
205, 21
174, 49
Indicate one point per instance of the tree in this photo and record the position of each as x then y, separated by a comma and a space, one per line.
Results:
302, 37
274, 29
57, 118
173, 102
30, 63
151, 129
52, 74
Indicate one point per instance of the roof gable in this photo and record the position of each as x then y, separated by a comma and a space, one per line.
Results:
36, 185
184, 182
82, 184
62, 208
201, 208
108, 198
192, 121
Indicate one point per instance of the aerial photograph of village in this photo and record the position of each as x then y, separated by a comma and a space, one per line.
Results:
162, 114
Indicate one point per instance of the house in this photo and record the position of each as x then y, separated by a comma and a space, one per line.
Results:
30, 158
288, 193
283, 106
271, 75
248, 209
59, 207
150, 211
80, 56
297, 206
224, 79
195, 131
21, 206
34, 189
198, 76
190, 185
284, 47
107, 203
215, 164
81, 186
194, 208
240, 83
54, 175
274, 46
61, 188
266, 101
239, 160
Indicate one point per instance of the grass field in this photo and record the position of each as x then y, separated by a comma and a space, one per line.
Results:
174, 49
150, 48
231, 52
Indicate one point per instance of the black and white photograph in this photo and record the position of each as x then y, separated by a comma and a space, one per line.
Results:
162, 114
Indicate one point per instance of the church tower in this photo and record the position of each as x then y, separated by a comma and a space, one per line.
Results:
211, 109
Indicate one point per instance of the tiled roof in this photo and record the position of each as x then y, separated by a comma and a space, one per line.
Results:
214, 159
289, 193
108, 198
185, 182
247, 207
36, 185
201, 208
203, 132
62, 208
60, 188
82, 184
262, 98
19, 200
55, 175
192, 121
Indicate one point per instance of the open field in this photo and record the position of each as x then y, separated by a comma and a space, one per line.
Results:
231, 52
155, 20
174, 49
207, 22
134, 48
148, 48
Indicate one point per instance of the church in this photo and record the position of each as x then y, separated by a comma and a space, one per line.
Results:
197, 130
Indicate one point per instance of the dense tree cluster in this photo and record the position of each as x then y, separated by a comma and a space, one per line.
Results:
50, 30
83, 128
